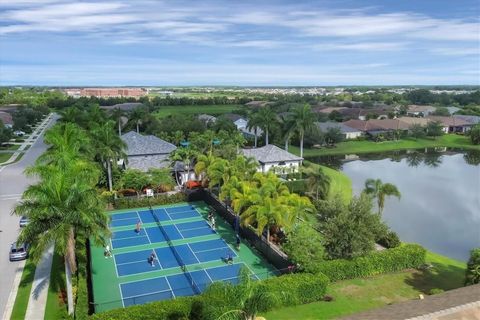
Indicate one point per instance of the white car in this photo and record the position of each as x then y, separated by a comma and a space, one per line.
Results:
19, 133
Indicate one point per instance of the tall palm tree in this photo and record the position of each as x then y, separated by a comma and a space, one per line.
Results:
379, 190
62, 207
186, 156
136, 116
288, 128
304, 120
254, 122
318, 182
266, 120
117, 115
203, 162
109, 147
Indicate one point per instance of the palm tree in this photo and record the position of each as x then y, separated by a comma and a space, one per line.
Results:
266, 120
203, 162
379, 190
288, 128
117, 115
264, 213
109, 147
218, 172
136, 116
254, 122
318, 182
304, 120
186, 156
64, 208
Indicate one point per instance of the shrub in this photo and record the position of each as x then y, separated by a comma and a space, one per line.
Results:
391, 260
389, 240
124, 203
472, 274
297, 186
19, 140
435, 291
304, 246
178, 308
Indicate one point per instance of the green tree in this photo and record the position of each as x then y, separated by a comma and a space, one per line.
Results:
474, 134
5, 133
186, 156
304, 246
303, 120
267, 120
318, 183
117, 115
434, 129
134, 179
379, 190
472, 274
161, 179
136, 116
417, 131
333, 136
108, 147
254, 122
441, 111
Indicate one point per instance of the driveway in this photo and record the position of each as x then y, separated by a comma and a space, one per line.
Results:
12, 184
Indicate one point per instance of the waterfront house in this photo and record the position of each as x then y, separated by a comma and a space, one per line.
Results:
347, 132
271, 157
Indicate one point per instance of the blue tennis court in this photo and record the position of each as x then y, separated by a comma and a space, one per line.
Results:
177, 285
145, 216
137, 262
129, 238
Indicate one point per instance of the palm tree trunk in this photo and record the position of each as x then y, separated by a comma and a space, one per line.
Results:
138, 130
68, 276
301, 145
70, 267
119, 127
286, 143
266, 137
256, 137
268, 234
109, 174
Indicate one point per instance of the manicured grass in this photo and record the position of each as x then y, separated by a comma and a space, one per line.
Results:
55, 307
348, 147
23, 293
4, 157
214, 110
10, 147
340, 183
356, 295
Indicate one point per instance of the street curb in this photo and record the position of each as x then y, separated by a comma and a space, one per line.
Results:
13, 294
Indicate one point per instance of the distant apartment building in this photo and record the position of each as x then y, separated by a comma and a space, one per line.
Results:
107, 92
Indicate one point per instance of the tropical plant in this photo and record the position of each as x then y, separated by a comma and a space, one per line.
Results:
134, 179
109, 147
266, 120
474, 134
288, 129
117, 115
303, 120
417, 131
136, 116
379, 190
186, 156
333, 136
434, 129
254, 122
472, 274
161, 179
318, 183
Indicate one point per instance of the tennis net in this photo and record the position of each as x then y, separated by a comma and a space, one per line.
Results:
175, 253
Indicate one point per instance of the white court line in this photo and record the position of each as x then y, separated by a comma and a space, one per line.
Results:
146, 233
148, 294
115, 261
117, 214
121, 295
168, 282
193, 252
179, 231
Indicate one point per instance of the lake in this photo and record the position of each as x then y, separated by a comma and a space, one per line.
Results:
440, 204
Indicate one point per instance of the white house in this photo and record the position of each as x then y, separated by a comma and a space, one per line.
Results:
271, 157
347, 132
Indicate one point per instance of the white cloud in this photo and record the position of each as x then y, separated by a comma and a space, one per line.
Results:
363, 46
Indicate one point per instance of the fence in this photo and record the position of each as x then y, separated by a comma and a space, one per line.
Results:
274, 255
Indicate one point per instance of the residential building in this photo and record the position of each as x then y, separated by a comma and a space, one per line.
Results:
419, 111
107, 92
470, 119
125, 107
145, 152
348, 132
271, 157
329, 110
377, 126
207, 119
238, 120
452, 124
452, 110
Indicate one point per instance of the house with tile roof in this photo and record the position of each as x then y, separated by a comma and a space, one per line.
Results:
145, 152
419, 111
452, 124
271, 157
347, 132
6, 118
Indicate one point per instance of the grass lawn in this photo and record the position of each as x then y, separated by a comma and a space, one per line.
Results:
348, 147
55, 307
10, 147
340, 183
23, 293
351, 296
214, 110
4, 157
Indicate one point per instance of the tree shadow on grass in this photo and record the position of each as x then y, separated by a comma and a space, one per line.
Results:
440, 276
28, 274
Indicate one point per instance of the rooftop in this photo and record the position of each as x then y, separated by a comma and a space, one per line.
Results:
324, 126
270, 153
138, 144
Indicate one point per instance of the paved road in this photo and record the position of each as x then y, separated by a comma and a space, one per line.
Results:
12, 184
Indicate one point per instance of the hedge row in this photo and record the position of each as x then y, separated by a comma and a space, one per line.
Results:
391, 260
289, 290
125, 203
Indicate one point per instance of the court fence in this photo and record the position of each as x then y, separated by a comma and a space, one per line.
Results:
159, 296
273, 254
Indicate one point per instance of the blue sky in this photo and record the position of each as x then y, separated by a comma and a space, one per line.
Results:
145, 42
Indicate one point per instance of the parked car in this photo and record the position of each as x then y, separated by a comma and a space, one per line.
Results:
24, 221
19, 133
18, 251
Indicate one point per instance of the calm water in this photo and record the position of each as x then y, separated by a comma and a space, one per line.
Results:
440, 204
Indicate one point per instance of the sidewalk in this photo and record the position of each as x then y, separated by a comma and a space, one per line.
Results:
29, 141
38, 296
